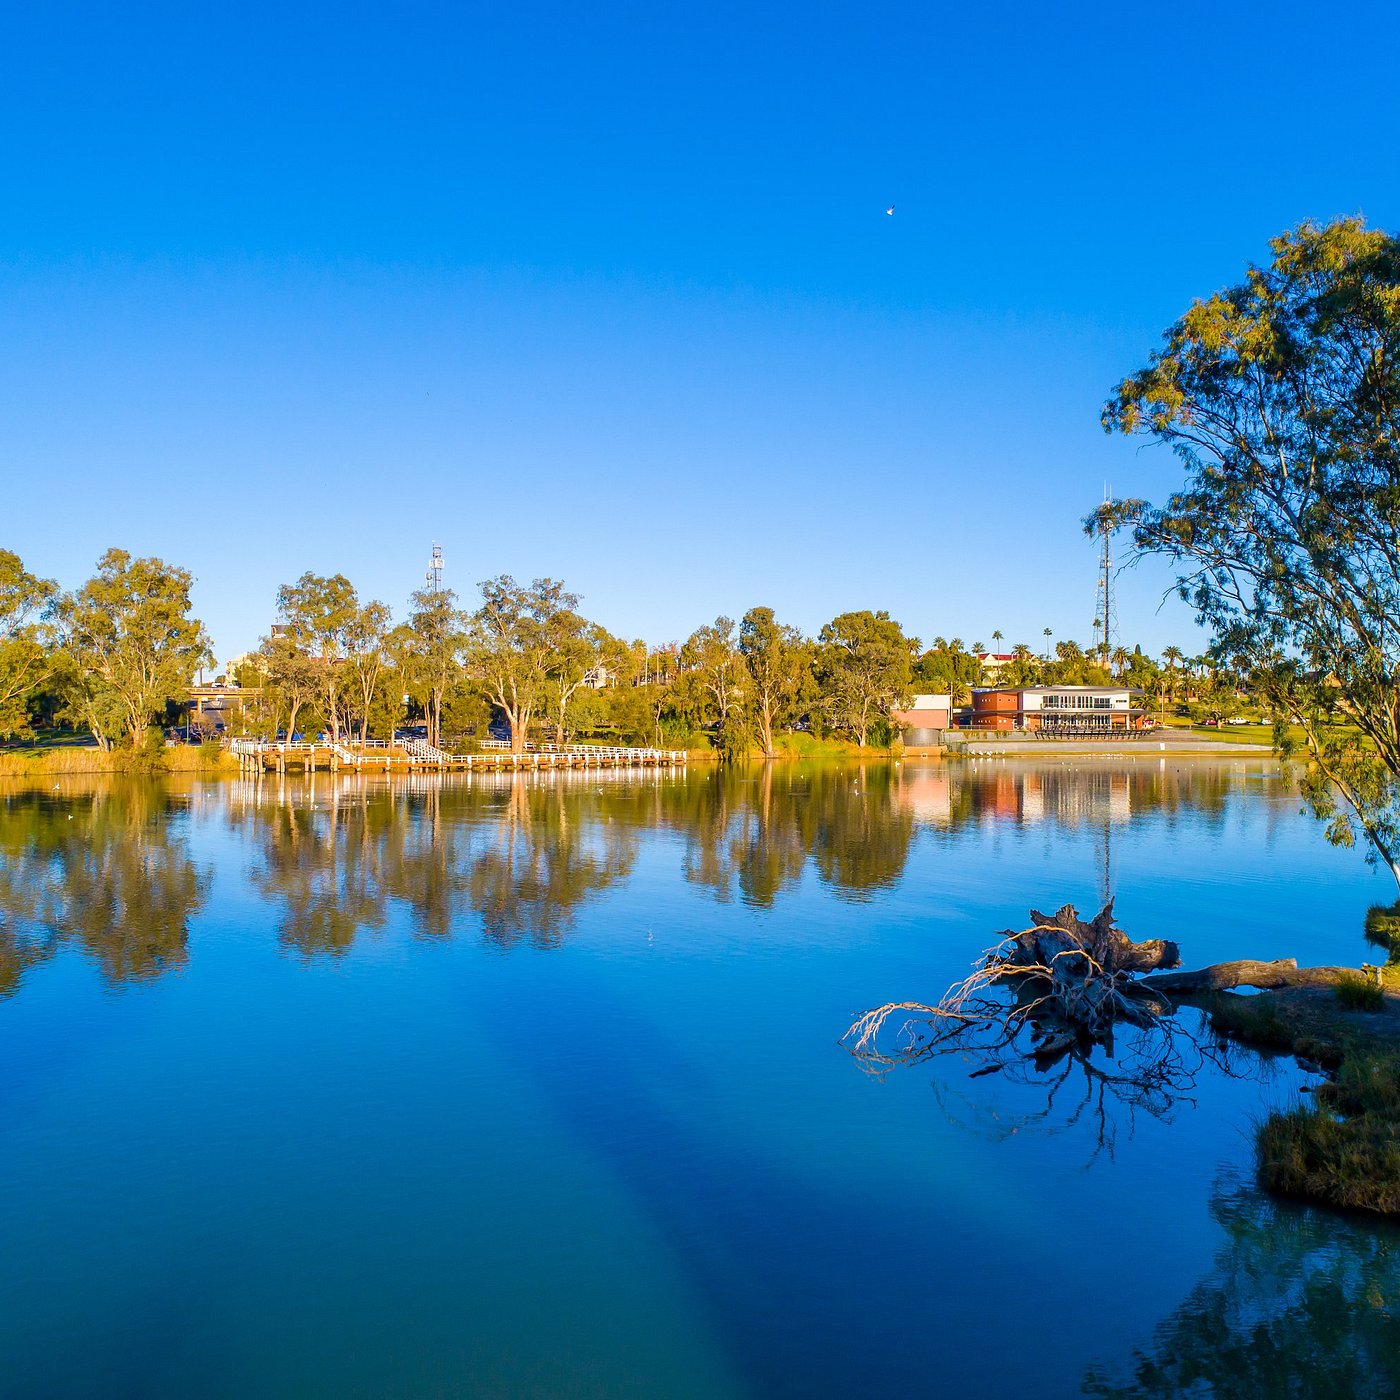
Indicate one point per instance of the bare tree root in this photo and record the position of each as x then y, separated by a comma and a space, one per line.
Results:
1041, 1002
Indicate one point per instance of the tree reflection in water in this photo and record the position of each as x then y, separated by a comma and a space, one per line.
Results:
1299, 1304
107, 870
752, 832
523, 854
547, 858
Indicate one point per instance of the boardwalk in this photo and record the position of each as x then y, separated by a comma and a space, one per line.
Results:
413, 755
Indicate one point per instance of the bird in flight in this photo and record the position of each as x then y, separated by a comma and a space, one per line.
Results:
890, 210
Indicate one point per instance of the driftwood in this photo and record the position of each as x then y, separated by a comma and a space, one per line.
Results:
1043, 1004
1221, 977
1062, 934
1070, 982
1065, 983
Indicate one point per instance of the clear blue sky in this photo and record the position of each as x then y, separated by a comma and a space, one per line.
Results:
609, 293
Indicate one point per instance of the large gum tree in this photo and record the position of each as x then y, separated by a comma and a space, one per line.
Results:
25, 660
131, 643
1281, 398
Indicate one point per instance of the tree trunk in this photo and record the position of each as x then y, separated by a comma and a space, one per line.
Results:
765, 730
559, 722
1220, 977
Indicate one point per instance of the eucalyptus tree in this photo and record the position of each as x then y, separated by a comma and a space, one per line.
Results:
429, 651
513, 646
864, 670
1281, 398
131, 643
365, 637
580, 650
710, 658
318, 612
778, 668
25, 660
292, 680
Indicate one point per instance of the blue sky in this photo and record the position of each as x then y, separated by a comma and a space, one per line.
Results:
609, 293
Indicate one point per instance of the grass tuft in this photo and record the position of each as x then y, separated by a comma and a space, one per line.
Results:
1358, 992
1343, 1151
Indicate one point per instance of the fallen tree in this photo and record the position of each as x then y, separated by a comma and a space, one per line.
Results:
1059, 989
1044, 1005
1222, 977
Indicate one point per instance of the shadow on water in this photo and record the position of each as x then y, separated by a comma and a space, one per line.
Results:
1298, 1304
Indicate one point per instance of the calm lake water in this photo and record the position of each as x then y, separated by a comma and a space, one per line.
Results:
533, 1087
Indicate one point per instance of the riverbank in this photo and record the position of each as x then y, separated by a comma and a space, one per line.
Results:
1176, 742
1342, 1149
77, 760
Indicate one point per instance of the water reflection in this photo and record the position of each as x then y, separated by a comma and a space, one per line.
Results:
1299, 1303
108, 871
518, 856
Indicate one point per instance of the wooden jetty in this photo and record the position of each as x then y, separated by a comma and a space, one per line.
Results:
413, 755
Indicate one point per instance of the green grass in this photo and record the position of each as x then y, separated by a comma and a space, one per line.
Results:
1344, 1150
1358, 992
1258, 1022
1383, 929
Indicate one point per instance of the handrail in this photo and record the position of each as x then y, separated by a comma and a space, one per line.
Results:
422, 752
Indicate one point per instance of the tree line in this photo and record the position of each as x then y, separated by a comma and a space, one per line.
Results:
117, 657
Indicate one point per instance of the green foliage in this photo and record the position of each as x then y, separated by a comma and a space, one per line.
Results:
864, 670
778, 662
1383, 929
320, 615
24, 659
947, 668
1345, 1150
513, 644
1281, 397
130, 643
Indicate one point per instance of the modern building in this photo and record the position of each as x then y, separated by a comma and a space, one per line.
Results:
925, 720
1058, 709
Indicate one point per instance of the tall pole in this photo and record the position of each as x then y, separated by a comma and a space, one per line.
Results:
1105, 619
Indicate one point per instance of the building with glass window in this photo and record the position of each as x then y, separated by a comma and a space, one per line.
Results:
1058, 709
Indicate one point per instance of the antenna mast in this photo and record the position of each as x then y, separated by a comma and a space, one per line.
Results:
1106, 622
434, 574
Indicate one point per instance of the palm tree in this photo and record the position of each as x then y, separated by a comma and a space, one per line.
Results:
996, 637
1121, 657
1171, 656
1048, 635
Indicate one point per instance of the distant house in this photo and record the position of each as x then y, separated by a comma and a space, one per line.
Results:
925, 720
993, 661
1060, 709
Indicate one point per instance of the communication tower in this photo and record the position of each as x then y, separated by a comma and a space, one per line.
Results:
1106, 618
434, 574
